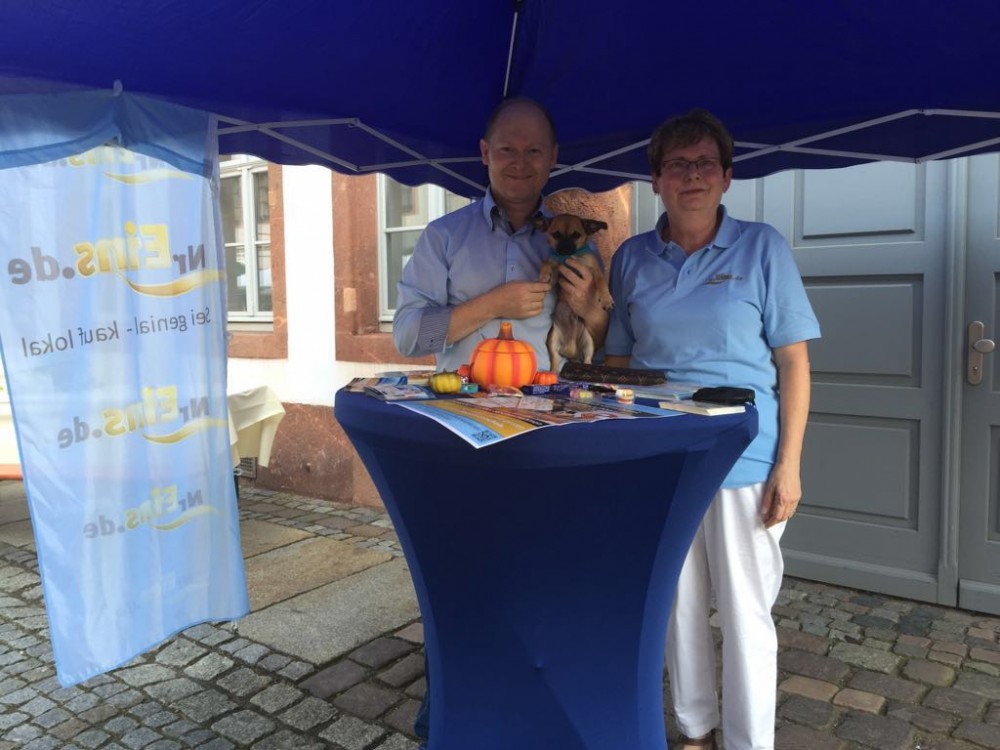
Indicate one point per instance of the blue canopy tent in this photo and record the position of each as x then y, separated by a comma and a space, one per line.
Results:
404, 88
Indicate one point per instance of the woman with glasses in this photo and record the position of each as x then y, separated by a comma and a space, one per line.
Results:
712, 300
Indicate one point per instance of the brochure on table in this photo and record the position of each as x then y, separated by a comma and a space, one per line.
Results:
482, 421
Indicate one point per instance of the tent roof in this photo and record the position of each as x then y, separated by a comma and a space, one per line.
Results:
406, 87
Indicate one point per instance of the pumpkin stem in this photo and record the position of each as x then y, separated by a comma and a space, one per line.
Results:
506, 331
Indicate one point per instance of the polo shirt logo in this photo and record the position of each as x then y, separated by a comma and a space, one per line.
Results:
721, 278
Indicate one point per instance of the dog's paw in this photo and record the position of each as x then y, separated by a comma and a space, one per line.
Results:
607, 304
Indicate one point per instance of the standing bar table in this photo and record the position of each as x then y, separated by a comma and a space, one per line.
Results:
545, 566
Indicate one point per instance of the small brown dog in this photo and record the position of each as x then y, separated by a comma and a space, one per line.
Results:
568, 237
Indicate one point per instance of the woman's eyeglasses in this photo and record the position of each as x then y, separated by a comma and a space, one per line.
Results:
706, 167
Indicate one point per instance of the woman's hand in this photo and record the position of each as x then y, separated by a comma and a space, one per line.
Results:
781, 495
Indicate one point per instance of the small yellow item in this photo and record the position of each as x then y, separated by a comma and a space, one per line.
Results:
445, 382
581, 394
625, 395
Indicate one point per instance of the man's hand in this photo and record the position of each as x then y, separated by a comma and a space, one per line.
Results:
518, 299
781, 495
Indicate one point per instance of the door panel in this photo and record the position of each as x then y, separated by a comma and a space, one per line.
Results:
870, 244
979, 518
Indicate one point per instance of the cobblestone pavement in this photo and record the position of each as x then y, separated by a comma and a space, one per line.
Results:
856, 670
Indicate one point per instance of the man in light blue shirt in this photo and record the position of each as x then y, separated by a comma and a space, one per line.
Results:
478, 266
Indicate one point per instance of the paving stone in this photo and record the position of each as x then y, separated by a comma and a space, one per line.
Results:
180, 652
252, 653
928, 672
811, 665
257, 536
859, 700
944, 657
19, 697
209, 667
891, 687
43, 743
244, 727
880, 732
366, 700
335, 679
126, 698
925, 718
397, 742
120, 725
982, 734
243, 682
287, 740
417, 689
381, 651
296, 670
403, 672
310, 713
809, 688
982, 654
274, 662
974, 683
352, 734
803, 641
868, 658
37, 706
323, 624
99, 713
276, 697
401, 717
140, 738
205, 705
91, 739
23, 734
52, 718
956, 701
871, 621
909, 650
12, 720
179, 728
172, 690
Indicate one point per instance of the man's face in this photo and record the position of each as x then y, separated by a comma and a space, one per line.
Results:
519, 156
691, 179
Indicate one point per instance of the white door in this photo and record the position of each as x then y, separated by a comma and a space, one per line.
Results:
979, 506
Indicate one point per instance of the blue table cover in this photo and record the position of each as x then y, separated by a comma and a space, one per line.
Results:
545, 566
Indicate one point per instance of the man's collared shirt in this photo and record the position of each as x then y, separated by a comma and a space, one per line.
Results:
460, 256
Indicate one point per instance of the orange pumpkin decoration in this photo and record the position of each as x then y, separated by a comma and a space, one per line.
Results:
504, 361
545, 377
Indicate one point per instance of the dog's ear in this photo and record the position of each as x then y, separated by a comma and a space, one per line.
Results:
541, 222
590, 226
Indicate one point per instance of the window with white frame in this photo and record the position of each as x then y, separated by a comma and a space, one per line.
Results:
246, 233
404, 211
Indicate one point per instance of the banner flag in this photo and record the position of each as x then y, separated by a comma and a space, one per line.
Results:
112, 331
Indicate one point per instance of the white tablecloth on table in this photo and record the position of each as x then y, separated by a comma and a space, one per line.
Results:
254, 416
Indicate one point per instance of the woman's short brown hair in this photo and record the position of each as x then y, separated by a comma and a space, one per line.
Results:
685, 130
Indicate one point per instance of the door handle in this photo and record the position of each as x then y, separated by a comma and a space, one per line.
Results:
978, 346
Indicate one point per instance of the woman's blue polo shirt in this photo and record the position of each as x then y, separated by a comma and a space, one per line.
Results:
713, 318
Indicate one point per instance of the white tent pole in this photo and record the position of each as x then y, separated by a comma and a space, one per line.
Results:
578, 167
510, 48
270, 130
417, 155
832, 133
242, 127
962, 150
962, 113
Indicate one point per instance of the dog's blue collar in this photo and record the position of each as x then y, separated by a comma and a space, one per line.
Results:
583, 250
